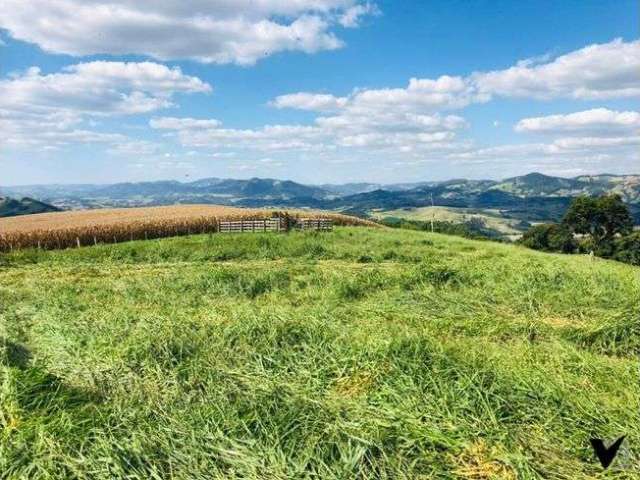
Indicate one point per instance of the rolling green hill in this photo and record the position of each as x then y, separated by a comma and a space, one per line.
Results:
531, 197
10, 207
537, 184
361, 353
503, 227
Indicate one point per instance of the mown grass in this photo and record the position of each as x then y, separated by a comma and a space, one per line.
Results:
354, 354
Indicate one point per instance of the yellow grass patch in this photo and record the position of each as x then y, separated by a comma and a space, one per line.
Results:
478, 461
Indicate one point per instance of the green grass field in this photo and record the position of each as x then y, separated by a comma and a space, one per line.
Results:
359, 353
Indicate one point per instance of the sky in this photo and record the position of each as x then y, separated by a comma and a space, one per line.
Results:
317, 91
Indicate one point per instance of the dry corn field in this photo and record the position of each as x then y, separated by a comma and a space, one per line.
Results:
89, 227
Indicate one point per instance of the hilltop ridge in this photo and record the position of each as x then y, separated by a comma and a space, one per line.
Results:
256, 192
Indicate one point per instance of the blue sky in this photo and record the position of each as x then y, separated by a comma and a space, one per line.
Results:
316, 91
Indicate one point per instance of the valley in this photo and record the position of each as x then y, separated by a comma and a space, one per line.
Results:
529, 198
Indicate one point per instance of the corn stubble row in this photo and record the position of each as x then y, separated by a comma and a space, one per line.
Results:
58, 232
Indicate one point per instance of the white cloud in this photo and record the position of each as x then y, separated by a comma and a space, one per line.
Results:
591, 143
191, 134
420, 95
400, 118
592, 137
598, 71
352, 16
595, 72
173, 123
39, 109
309, 101
98, 88
222, 31
409, 120
392, 132
600, 121
412, 122
583, 153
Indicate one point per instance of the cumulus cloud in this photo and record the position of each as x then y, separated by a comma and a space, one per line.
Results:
591, 140
411, 122
173, 123
558, 147
195, 133
352, 16
411, 119
406, 119
420, 95
98, 88
591, 143
600, 71
316, 102
599, 121
597, 131
49, 109
224, 31
596, 72
394, 132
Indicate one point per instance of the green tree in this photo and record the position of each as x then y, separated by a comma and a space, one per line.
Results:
549, 237
602, 218
627, 249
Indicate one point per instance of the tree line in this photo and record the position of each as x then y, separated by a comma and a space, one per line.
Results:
602, 226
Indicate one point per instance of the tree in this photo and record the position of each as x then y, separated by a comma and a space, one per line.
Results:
627, 249
602, 218
549, 237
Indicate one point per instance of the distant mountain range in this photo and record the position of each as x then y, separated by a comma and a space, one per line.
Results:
531, 197
10, 207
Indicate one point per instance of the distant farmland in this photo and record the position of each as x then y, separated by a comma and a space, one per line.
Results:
492, 218
88, 227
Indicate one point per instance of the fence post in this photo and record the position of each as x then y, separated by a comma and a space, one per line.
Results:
78, 241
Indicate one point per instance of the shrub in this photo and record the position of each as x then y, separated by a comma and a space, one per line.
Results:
365, 259
550, 238
627, 249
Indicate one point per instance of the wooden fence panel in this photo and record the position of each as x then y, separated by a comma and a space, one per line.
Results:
275, 225
320, 224
241, 226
